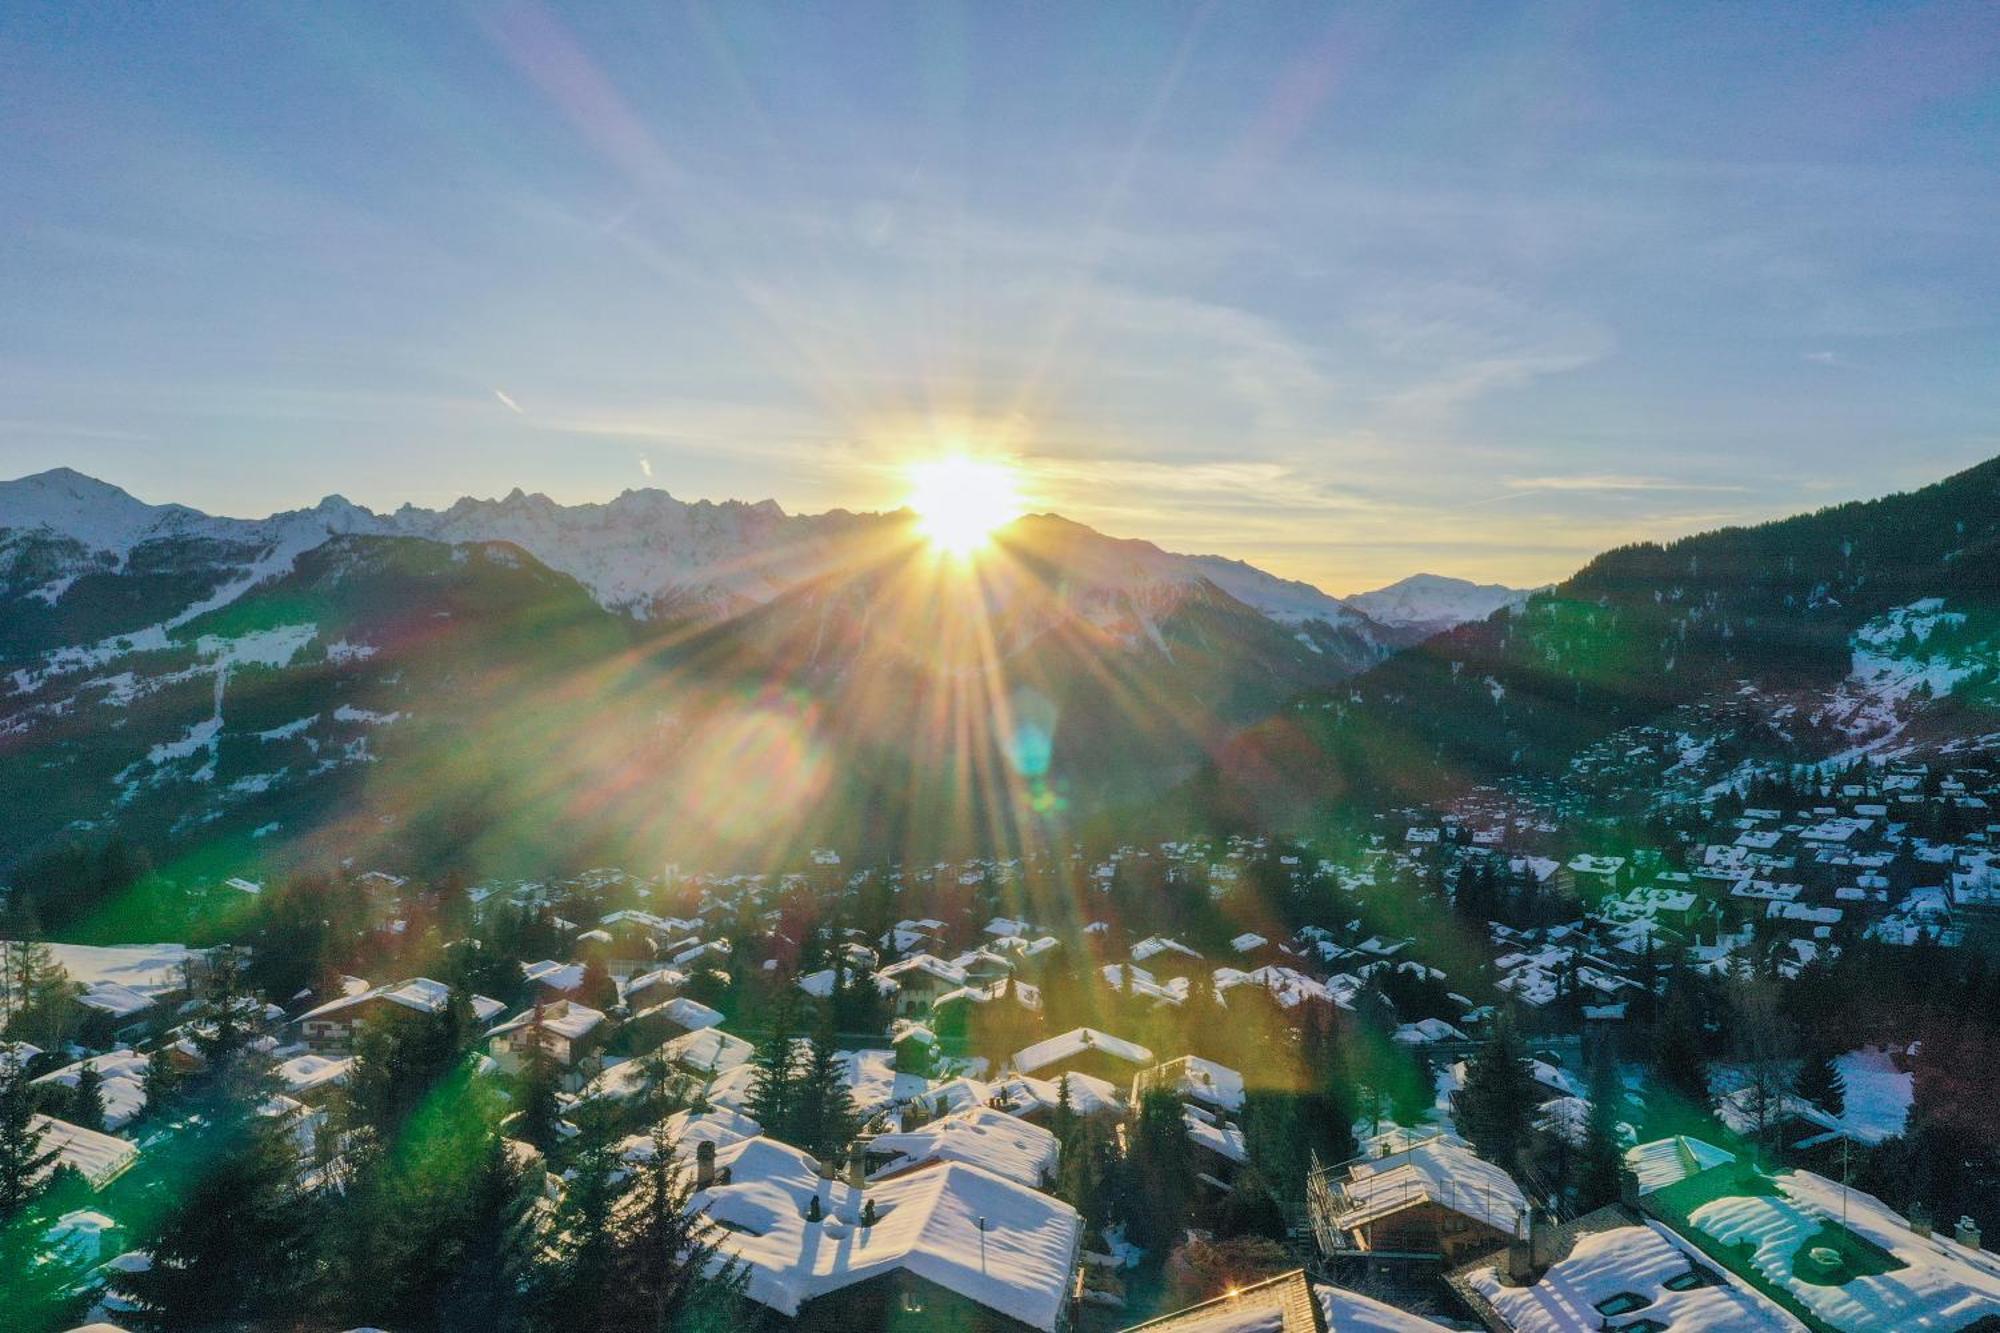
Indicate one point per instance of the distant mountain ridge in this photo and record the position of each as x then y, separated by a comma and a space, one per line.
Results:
189, 675
1868, 629
1429, 604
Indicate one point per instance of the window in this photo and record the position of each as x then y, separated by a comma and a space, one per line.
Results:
1625, 1302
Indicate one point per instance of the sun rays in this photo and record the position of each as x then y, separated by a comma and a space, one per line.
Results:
960, 501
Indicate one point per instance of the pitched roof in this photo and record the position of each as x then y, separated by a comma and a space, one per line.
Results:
994, 1242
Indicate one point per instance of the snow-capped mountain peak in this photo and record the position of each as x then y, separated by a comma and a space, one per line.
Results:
1435, 602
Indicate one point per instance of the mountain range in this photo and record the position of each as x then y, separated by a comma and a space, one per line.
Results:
1867, 630
204, 679
503, 683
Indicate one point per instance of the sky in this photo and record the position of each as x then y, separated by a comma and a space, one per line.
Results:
1349, 291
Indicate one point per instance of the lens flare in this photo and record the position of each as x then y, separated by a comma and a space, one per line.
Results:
960, 501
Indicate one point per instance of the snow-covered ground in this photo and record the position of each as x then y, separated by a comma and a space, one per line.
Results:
1878, 1095
1940, 1284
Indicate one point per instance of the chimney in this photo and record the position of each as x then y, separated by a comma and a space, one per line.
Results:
1920, 1219
857, 1168
1517, 1265
1628, 1187
704, 1164
1967, 1233
1548, 1243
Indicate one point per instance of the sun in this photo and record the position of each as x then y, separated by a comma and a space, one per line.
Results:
960, 501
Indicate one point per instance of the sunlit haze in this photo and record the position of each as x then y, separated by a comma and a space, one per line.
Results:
960, 501
1322, 288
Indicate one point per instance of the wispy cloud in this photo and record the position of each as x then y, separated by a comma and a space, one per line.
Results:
1600, 481
646, 466
508, 403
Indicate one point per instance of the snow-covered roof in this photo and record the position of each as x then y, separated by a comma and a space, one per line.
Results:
1222, 1139
303, 1073
1665, 1162
684, 1129
711, 1049
692, 1015
1075, 1042
108, 997
565, 1018
1441, 1169
996, 1243
123, 1091
1938, 1284
556, 976
1634, 1262
979, 1136
1087, 1095
419, 994
99, 1157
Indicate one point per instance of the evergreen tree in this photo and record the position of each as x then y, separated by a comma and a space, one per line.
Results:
1821, 1082
1678, 1060
1161, 1171
824, 1118
665, 1249
38, 1289
489, 1265
227, 1232
774, 1086
42, 1009
1603, 1155
86, 1100
571, 1287
536, 1087
1496, 1107
162, 1083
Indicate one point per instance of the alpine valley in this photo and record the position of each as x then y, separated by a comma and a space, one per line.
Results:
218, 686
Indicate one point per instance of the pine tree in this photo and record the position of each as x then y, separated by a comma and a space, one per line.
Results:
1161, 1167
86, 1100
38, 1289
1678, 1059
774, 1086
219, 1027
43, 1010
227, 1231
162, 1083
665, 1250
1821, 1082
1496, 1107
536, 1087
490, 1260
1603, 1156
824, 1118
572, 1283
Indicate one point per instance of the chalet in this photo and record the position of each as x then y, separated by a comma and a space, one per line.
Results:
1083, 1051
331, 1028
122, 1088
947, 1245
975, 1135
1609, 1269
708, 1052
1413, 1193
1193, 1079
98, 1158
665, 1021
1219, 1148
919, 980
571, 1033
1035, 1099
1830, 1255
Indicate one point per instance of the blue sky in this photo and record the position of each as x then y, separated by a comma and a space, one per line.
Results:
1349, 291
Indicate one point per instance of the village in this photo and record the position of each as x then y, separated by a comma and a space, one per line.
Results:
1455, 1069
